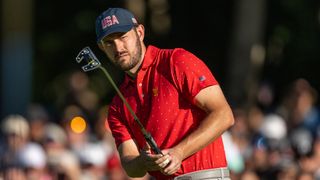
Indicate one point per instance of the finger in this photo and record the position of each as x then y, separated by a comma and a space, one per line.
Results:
162, 158
167, 161
147, 148
164, 163
173, 167
151, 165
171, 170
149, 156
152, 162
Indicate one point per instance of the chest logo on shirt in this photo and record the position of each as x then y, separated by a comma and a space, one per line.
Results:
155, 91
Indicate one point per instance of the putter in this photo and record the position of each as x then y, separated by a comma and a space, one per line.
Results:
91, 62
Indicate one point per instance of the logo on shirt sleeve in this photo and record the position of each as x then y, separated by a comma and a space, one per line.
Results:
202, 78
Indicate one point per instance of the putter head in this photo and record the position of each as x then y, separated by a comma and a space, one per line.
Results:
87, 57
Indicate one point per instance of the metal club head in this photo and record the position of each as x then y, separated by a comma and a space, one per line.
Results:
87, 57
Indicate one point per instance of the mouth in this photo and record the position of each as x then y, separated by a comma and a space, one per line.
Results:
121, 55
122, 59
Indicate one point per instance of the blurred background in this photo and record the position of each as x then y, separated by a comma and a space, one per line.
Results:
265, 55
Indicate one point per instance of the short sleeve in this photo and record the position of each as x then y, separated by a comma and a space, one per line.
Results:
117, 126
190, 74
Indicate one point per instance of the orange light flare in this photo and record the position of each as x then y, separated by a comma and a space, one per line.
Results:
78, 125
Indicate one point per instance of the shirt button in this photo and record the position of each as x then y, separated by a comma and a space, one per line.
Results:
140, 84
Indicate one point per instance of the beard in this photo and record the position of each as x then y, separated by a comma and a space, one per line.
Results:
134, 57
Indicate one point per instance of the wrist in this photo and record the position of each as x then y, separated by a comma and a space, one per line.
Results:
179, 151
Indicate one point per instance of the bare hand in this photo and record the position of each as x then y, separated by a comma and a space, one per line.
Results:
175, 161
154, 162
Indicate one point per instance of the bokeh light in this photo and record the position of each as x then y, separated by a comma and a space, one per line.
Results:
78, 124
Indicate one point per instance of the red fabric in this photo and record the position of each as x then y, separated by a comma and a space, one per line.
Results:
113, 162
162, 96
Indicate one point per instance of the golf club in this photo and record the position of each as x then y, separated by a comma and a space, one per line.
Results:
91, 62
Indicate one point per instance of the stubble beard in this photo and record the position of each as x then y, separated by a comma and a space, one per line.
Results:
134, 57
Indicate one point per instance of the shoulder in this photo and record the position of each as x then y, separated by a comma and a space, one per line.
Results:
180, 53
182, 56
172, 53
179, 58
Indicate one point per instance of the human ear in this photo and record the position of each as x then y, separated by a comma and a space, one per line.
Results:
140, 31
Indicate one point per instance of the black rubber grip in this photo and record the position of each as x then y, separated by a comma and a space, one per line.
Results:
152, 143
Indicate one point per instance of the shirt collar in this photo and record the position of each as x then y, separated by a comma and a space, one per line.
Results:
151, 54
148, 60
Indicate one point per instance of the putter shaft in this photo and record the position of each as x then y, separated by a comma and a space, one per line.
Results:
146, 134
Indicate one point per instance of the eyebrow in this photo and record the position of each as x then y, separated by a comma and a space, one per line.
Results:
113, 35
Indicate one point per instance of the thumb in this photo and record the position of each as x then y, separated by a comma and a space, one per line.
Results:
166, 151
147, 148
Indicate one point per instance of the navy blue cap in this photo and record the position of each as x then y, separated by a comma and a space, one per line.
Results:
114, 20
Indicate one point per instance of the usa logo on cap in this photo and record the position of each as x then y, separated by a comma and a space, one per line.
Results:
114, 20
109, 21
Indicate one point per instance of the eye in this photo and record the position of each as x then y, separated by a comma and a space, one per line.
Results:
107, 43
124, 37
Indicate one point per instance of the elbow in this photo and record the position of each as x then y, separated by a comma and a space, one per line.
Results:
230, 120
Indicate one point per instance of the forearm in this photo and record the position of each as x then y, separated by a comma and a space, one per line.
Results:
133, 166
131, 159
210, 128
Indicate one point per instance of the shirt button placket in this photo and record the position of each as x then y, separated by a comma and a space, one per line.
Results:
140, 91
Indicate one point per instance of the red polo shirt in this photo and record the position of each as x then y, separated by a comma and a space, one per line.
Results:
162, 96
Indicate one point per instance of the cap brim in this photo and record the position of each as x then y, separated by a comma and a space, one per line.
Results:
116, 29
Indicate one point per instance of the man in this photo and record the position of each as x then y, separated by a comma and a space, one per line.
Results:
176, 98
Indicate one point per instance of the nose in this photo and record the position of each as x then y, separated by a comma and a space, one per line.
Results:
118, 45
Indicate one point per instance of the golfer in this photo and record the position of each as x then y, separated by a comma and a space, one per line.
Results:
176, 98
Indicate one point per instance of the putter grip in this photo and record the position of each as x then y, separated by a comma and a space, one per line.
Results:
152, 143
